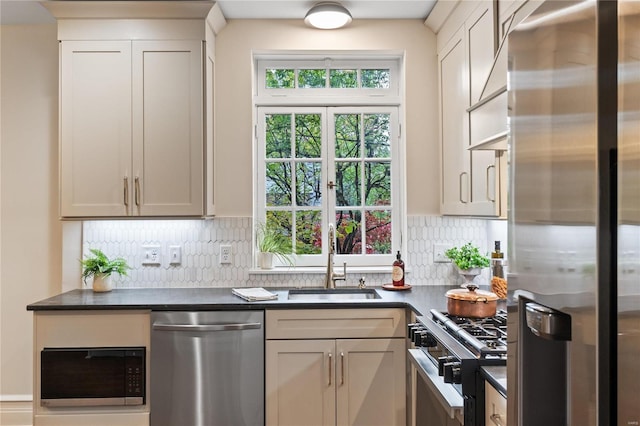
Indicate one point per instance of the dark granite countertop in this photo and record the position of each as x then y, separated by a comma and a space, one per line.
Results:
419, 298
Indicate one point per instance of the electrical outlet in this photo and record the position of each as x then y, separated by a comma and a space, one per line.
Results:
175, 255
225, 254
151, 255
438, 253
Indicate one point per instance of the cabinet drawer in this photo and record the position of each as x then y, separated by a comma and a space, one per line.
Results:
495, 407
335, 323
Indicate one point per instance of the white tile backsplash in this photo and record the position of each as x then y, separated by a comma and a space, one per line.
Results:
201, 239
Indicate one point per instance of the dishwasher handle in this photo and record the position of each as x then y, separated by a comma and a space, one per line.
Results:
206, 327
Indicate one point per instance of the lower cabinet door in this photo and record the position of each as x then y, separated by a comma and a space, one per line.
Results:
370, 382
495, 407
343, 382
300, 382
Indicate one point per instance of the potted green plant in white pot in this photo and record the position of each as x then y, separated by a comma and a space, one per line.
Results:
468, 260
100, 267
272, 243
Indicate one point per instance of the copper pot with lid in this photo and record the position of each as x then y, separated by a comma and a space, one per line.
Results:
471, 302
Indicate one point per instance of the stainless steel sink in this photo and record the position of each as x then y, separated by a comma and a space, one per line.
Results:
334, 294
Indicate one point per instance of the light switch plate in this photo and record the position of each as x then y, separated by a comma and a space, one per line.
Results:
175, 255
438, 253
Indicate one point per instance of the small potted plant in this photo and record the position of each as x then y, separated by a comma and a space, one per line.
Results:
100, 267
468, 260
272, 243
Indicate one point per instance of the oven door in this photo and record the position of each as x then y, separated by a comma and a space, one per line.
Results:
92, 376
435, 402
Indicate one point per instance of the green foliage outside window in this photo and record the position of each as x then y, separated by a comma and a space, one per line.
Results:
317, 78
280, 79
312, 79
343, 79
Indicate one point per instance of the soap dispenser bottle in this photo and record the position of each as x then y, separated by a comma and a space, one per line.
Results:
398, 271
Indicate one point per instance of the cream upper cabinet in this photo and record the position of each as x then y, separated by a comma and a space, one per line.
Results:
95, 128
167, 128
470, 179
338, 366
136, 107
131, 128
480, 32
454, 89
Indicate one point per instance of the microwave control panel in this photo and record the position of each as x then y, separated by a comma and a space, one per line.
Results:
135, 376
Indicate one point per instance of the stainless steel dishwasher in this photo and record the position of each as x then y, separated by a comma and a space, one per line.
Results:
207, 368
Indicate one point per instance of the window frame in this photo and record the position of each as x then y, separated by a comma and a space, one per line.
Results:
323, 96
328, 102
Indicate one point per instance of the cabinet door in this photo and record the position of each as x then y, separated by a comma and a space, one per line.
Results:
370, 382
495, 407
168, 128
480, 36
300, 382
454, 100
486, 121
95, 128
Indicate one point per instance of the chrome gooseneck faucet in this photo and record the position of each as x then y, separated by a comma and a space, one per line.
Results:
332, 277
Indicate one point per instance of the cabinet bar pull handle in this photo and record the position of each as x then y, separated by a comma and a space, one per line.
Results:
496, 419
137, 181
460, 187
342, 368
489, 167
330, 372
126, 191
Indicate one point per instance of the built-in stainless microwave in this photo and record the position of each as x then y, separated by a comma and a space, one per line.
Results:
72, 377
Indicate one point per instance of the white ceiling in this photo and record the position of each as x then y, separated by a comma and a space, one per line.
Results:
32, 12
297, 9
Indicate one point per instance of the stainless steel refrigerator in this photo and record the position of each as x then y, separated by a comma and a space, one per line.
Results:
574, 215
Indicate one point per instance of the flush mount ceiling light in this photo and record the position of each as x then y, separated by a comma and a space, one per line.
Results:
328, 16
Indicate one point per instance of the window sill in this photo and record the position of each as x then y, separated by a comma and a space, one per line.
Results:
320, 270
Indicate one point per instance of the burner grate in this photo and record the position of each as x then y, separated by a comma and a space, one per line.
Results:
486, 337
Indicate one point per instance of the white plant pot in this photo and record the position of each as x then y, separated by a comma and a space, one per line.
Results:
102, 283
469, 275
265, 260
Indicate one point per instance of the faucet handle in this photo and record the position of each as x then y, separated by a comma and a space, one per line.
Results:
361, 283
341, 276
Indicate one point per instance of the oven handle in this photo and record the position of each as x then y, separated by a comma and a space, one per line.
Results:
446, 394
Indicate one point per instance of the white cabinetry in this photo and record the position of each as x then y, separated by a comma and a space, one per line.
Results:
454, 126
495, 407
468, 177
135, 108
83, 329
95, 128
131, 128
344, 367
